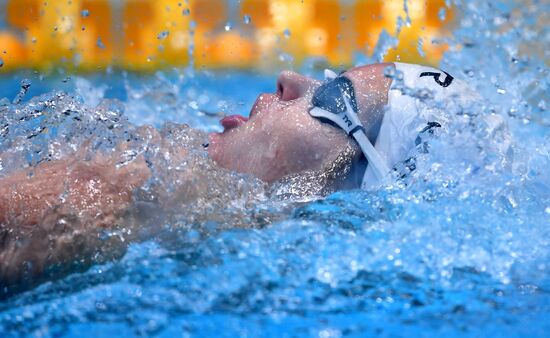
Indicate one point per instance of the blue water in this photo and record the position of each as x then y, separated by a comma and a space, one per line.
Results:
463, 250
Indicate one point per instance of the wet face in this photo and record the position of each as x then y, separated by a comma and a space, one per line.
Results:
281, 138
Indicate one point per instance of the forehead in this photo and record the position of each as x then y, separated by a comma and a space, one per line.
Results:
369, 79
367, 74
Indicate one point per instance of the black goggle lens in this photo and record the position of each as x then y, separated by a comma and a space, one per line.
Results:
329, 96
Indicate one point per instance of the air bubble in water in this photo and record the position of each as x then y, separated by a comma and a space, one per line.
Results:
247, 19
85, 13
186, 12
228, 27
1, 62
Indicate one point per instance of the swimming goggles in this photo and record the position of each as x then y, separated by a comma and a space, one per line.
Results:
335, 101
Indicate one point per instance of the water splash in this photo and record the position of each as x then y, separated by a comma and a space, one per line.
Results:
25, 85
460, 247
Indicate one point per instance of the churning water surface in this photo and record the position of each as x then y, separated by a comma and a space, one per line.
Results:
463, 249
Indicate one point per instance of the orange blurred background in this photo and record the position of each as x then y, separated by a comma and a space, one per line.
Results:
89, 35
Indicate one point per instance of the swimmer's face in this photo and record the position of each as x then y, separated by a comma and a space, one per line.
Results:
280, 138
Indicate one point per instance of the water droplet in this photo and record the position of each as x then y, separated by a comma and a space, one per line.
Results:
285, 57
389, 72
286, 33
162, 35
442, 14
186, 12
228, 27
420, 47
25, 83
33, 40
85, 13
100, 43
247, 19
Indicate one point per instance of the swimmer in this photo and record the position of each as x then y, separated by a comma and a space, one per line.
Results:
358, 129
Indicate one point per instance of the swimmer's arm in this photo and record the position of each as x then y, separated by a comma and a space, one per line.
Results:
52, 215
73, 185
92, 189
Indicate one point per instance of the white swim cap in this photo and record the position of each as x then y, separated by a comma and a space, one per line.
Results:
407, 116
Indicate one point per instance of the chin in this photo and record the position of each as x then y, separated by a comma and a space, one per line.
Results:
213, 146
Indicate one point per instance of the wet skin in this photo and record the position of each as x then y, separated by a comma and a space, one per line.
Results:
281, 138
52, 217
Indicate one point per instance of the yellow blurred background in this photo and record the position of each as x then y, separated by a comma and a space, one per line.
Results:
89, 35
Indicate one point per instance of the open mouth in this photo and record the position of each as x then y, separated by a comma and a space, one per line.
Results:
262, 103
233, 121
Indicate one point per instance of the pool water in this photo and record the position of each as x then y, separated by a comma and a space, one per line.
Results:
463, 249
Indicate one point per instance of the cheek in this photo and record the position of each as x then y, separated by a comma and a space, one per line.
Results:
275, 143
302, 145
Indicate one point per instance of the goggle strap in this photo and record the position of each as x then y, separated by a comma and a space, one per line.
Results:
376, 162
336, 118
330, 75
356, 129
378, 165
350, 123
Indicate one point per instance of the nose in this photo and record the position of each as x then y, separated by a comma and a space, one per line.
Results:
291, 85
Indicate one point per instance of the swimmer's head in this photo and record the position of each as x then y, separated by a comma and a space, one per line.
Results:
281, 139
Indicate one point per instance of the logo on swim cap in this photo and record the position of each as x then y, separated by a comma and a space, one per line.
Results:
448, 80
